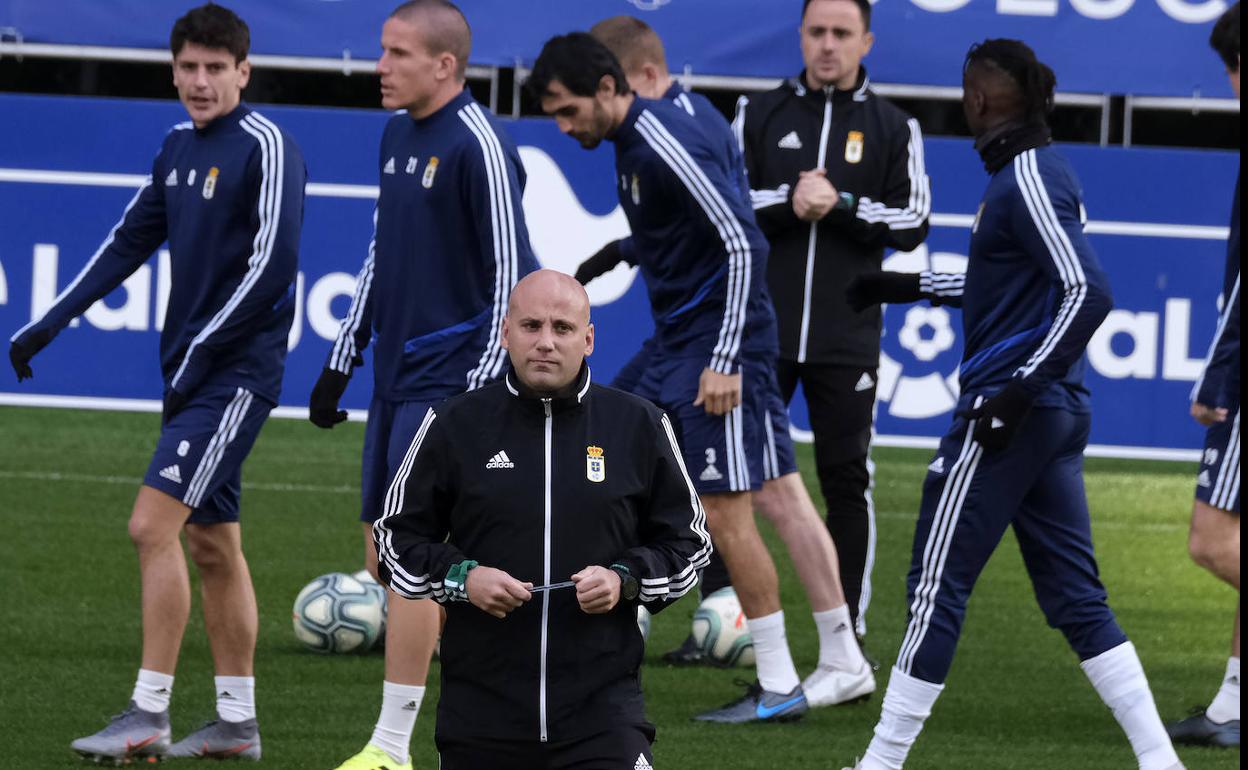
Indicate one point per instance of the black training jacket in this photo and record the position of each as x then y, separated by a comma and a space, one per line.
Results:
542, 488
873, 153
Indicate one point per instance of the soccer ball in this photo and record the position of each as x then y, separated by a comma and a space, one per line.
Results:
377, 588
720, 631
337, 613
643, 622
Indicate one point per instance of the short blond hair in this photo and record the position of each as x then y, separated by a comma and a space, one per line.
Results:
634, 42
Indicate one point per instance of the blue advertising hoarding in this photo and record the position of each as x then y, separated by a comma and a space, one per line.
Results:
1143, 47
69, 166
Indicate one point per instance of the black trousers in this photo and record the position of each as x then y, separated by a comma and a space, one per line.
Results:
620, 748
841, 403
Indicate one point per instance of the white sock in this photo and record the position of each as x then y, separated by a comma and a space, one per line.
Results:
152, 691
776, 672
907, 705
399, 705
236, 698
1225, 706
1119, 679
838, 647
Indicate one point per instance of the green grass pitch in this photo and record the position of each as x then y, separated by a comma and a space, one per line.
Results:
69, 641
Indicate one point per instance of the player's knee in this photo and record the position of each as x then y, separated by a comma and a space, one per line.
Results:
208, 550
1209, 552
148, 533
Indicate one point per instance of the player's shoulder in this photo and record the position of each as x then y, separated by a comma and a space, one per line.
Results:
624, 406
765, 102
266, 135
474, 406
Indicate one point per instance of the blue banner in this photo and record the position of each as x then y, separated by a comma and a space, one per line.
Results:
1145, 47
68, 167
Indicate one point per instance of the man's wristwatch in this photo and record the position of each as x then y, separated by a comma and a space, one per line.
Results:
629, 587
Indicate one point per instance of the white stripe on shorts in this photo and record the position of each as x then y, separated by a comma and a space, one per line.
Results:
231, 419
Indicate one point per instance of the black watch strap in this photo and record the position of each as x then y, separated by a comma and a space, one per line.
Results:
629, 587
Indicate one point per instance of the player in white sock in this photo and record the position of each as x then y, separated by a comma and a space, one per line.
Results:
1013, 458
152, 691
1214, 539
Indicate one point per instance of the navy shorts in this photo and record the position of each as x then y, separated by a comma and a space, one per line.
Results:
1218, 481
199, 458
779, 458
392, 426
725, 453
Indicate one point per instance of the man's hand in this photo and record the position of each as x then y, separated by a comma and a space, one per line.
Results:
494, 591
174, 402
718, 393
20, 358
1000, 417
814, 195
323, 408
1209, 415
597, 590
871, 289
21, 353
600, 264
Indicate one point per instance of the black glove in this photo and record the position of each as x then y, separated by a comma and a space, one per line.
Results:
601, 263
174, 401
323, 408
1001, 416
873, 288
21, 353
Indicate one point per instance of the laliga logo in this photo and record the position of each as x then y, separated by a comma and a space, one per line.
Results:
927, 384
563, 233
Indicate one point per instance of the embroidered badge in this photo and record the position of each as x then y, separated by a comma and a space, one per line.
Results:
210, 183
595, 465
431, 171
853, 147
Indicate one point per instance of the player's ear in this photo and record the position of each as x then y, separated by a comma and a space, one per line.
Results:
506, 331
607, 86
589, 340
244, 73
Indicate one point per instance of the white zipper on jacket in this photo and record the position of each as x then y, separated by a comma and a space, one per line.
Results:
546, 569
814, 230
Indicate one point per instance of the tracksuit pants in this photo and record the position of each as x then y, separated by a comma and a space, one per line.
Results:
970, 498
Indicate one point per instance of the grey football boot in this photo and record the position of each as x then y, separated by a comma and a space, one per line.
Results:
220, 739
132, 734
1199, 730
759, 705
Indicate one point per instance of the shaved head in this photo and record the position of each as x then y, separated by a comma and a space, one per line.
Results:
443, 29
547, 331
632, 41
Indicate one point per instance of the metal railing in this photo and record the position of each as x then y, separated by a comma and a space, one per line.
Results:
1193, 104
347, 65
12, 44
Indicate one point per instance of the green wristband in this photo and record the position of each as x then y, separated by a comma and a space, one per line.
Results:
455, 584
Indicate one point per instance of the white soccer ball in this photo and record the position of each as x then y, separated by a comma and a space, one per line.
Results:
372, 585
643, 622
337, 613
720, 630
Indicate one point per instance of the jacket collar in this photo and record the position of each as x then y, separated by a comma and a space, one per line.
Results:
453, 106
859, 93
230, 118
1005, 142
570, 397
675, 90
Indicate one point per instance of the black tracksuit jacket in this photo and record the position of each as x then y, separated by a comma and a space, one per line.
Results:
873, 152
542, 488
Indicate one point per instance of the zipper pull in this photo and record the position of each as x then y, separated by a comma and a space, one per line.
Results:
546, 406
